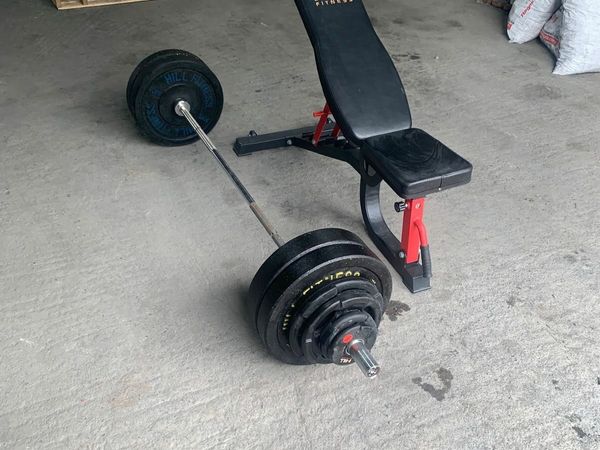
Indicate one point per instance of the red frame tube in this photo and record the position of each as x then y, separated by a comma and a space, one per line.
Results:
414, 233
323, 116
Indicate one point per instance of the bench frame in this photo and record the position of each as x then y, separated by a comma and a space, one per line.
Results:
409, 256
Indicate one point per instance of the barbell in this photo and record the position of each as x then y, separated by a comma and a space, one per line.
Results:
320, 297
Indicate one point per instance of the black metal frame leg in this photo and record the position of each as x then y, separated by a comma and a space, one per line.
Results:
380, 233
340, 149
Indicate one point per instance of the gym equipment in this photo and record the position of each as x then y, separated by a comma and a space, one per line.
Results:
372, 131
321, 296
151, 97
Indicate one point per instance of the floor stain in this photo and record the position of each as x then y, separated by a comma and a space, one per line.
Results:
578, 257
396, 309
445, 377
576, 419
580, 433
537, 91
454, 24
406, 56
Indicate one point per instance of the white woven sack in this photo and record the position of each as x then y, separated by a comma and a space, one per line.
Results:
580, 38
527, 18
550, 34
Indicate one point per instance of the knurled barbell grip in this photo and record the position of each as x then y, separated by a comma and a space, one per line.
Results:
266, 224
182, 108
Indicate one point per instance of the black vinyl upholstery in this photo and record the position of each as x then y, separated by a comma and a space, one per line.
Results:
358, 76
415, 164
367, 99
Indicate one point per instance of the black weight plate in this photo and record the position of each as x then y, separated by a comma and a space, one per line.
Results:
317, 259
312, 312
147, 65
288, 288
173, 78
290, 252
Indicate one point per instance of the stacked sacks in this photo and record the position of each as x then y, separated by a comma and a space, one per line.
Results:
572, 32
527, 18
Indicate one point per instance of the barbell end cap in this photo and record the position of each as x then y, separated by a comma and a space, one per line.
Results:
364, 359
180, 106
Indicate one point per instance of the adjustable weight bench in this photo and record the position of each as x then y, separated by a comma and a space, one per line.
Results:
371, 130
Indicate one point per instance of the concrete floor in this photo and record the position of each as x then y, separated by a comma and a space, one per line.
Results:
123, 265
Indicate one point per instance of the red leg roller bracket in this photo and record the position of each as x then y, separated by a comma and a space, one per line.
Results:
414, 236
323, 116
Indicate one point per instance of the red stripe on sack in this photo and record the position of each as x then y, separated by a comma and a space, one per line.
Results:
527, 8
549, 38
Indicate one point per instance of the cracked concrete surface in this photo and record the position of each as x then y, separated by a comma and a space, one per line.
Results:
123, 265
